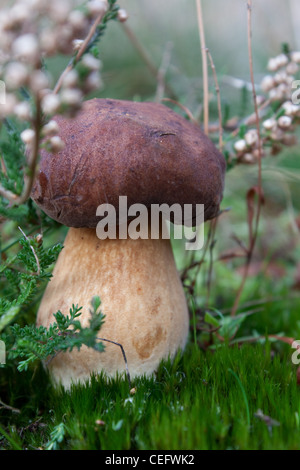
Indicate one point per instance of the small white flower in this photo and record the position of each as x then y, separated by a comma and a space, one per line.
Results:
276, 94
23, 111
77, 20
291, 109
267, 83
28, 136
16, 75
248, 158
70, 80
240, 145
251, 137
77, 43
280, 77
292, 68
90, 62
269, 124
122, 15
295, 57
282, 60
284, 122
273, 65
38, 81
26, 47
93, 81
50, 103
51, 128
59, 10
71, 96
56, 144
97, 7
9, 106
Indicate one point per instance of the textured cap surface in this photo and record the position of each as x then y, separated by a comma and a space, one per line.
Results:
113, 148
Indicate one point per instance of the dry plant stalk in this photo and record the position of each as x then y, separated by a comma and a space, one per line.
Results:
204, 67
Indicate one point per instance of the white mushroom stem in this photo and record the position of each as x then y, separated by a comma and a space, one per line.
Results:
142, 298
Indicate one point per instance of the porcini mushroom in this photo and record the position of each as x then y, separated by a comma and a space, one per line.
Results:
152, 155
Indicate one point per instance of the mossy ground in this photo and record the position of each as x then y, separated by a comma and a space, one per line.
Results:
230, 398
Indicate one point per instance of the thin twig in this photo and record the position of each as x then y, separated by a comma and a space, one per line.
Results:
8, 407
124, 357
161, 83
184, 108
218, 99
31, 169
33, 251
146, 59
210, 264
204, 67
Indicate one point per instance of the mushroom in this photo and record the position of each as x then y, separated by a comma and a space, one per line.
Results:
152, 155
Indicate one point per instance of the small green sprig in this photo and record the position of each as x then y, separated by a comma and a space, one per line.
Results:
66, 333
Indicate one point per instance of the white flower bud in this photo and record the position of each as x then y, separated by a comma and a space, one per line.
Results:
48, 41
51, 128
276, 94
290, 109
277, 134
284, 122
282, 60
77, 20
71, 96
280, 77
273, 65
16, 75
93, 81
122, 15
77, 43
50, 103
240, 145
56, 144
26, 47
96, 7
292, 68
247, 158
70, 80
251, 137
267, 83
90, 62
295, 57
23, 111
59, 10
38, 81
28, 136
8, 107
269, 124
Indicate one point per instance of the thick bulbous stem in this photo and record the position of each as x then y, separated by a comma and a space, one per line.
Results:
142, 298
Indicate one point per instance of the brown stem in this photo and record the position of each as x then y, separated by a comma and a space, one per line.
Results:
31, 169
145, 57
204, 66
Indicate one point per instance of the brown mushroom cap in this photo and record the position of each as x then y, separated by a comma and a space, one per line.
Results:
113, 148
